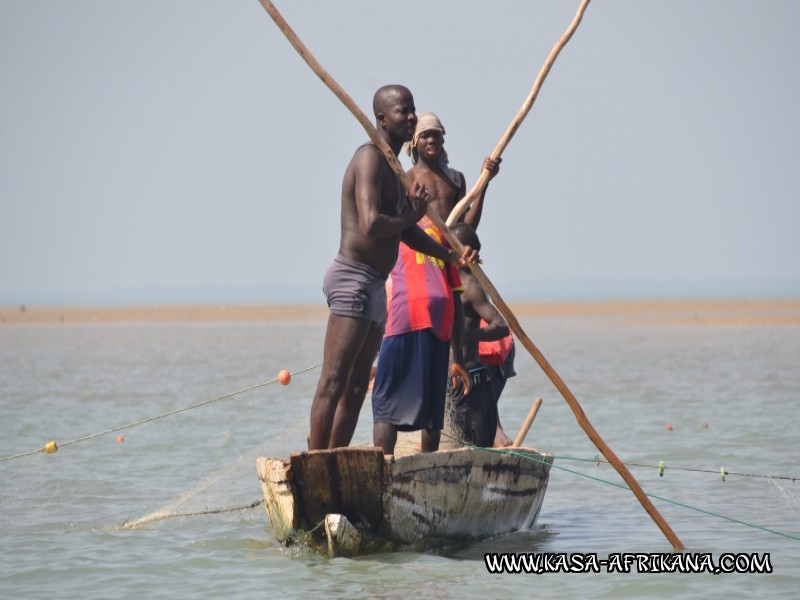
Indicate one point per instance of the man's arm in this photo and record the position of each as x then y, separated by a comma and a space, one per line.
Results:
418, 240
475, 297
369, 172
457, 343
457, 370
473, 215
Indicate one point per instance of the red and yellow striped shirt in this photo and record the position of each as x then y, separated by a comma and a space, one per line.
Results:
420, 290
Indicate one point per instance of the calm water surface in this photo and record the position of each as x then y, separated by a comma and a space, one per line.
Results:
187, 477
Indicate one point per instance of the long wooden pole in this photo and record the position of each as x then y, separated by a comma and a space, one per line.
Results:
463, 205
488, 287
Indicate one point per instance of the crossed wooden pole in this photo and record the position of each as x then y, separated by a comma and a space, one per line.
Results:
487, 285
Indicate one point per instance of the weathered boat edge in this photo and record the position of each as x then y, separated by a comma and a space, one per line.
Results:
279, 498
465, 494
373, 503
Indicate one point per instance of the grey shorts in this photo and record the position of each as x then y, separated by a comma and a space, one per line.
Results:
354, 289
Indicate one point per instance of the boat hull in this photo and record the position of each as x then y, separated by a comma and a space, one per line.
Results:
350, 501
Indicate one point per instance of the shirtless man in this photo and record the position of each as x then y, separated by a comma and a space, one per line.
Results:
375, 215
431, 169
474, 411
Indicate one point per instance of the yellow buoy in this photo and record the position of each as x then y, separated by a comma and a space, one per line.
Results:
51, 447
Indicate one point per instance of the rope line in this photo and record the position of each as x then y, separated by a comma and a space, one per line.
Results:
216, 511
157, 417
522, 455
598, 460
526, 456
663, 499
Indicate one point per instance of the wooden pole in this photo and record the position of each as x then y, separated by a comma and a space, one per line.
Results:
463, 205
527, 424
573, 403
488, 287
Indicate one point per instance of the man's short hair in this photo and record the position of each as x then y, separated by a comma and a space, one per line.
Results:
465, 234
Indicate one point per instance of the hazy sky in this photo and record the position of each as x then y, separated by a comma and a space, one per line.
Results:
181, 151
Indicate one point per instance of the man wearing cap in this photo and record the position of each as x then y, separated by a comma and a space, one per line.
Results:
447, 187
432, 169
424, 312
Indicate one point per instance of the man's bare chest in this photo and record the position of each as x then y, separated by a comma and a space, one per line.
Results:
439, 188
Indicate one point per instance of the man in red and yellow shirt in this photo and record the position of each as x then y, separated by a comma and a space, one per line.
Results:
424, 314
424, 308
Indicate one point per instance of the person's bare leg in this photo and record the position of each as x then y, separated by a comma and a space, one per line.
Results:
384, 435
349, 407
344, 339
429, 439
501, 440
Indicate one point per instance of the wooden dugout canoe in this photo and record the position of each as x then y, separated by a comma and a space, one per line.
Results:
352, 501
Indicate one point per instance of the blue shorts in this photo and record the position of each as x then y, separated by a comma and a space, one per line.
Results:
354, 289
411, 381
